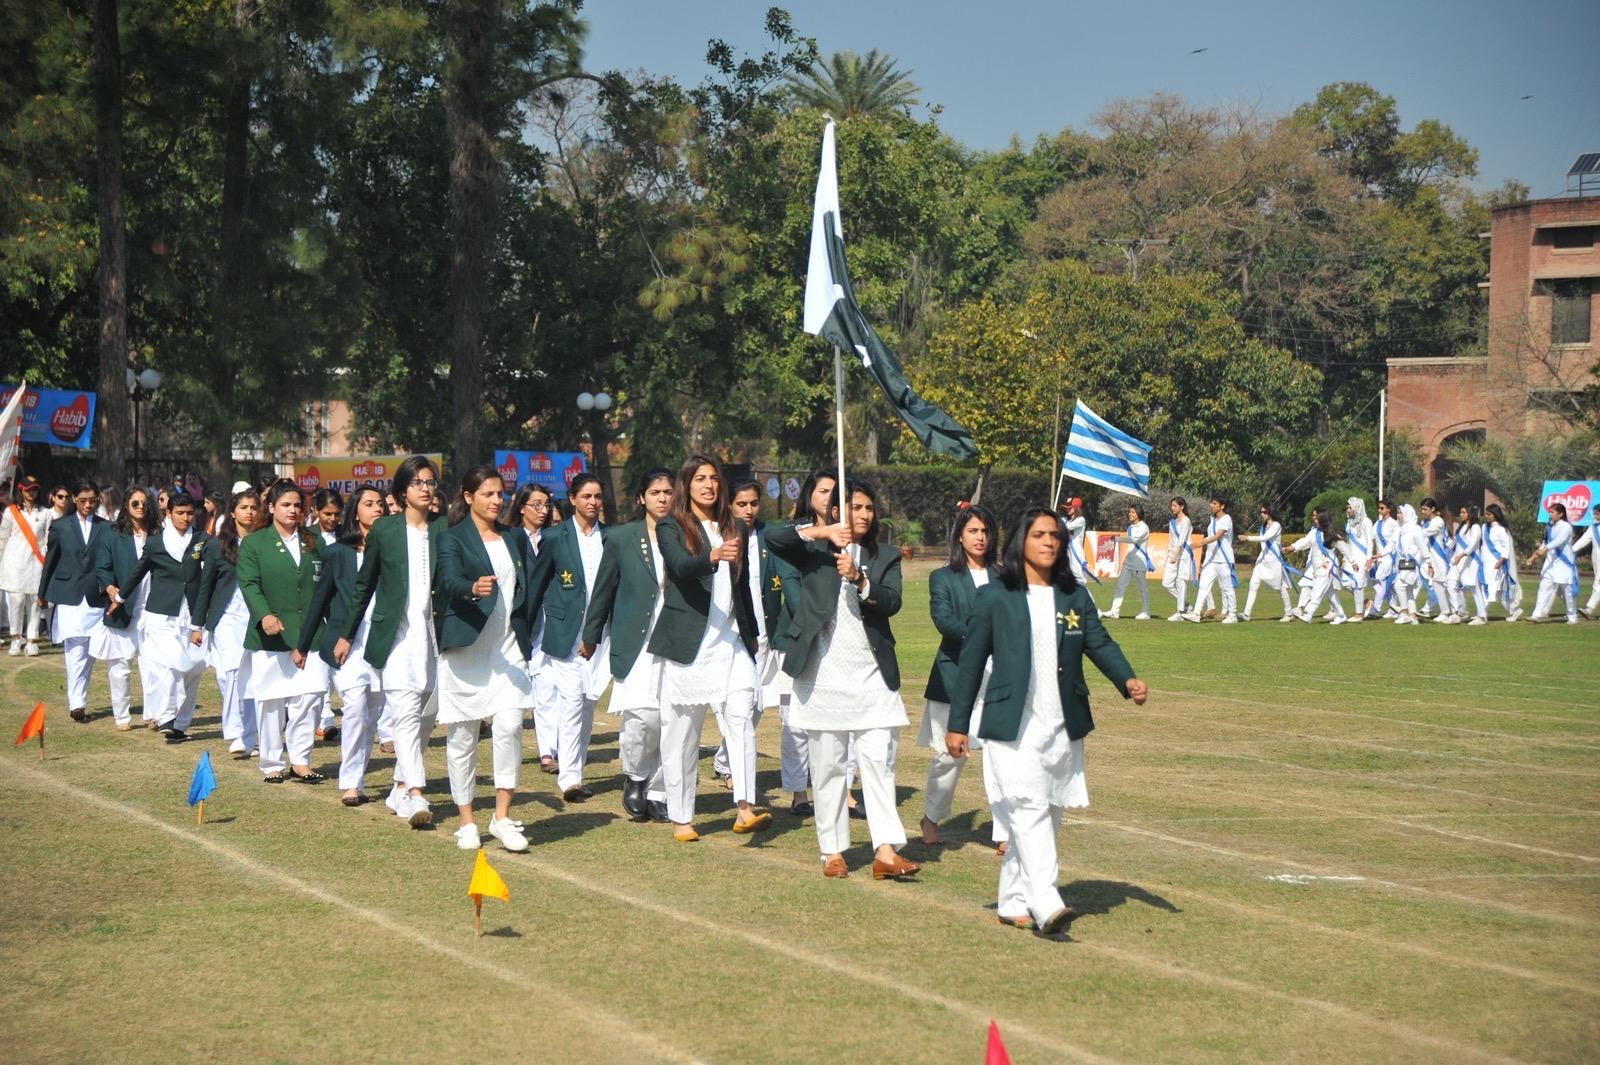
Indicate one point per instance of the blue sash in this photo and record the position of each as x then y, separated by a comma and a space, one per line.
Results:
1273, 550
1333, 563
1139, 550
1076, 548
1188, 548
1215, 549
1564, 554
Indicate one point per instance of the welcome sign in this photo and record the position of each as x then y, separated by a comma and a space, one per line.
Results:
552, 469
346, 473
53, 416
1579, 497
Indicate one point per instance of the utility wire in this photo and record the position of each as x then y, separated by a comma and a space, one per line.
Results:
1281, 496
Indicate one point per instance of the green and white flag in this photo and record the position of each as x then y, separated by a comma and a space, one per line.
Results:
831, 311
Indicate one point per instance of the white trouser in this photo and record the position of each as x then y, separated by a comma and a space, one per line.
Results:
1323, 585
1594, 597
1456, 585
385, 727
238, 709
1174, 580
169, 694
875, 750
1221, 577
680, 757
288, 728
1256, 581
794, 752
1358, 587
737, 719
23, 611
75, 650
574, 721
639, 745
1404, 592
362, 707
944, 772
544, 707
119, 671
1137, 575
412, 724
1031, 866
1548, 589
997, 824
324, 710
461, 753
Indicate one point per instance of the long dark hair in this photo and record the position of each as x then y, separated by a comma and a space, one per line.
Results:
1552, 508
470, 483
869, 541
651, 476
227, 534
1472, 512
802, 506
1494, 511
1323, 520
1013, 570
1271, 511
683, 512
511, 517
964, 517
349, 528
124, 520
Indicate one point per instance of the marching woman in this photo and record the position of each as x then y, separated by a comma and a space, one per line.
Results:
1411, 549
766, 596
1271, 568
327, 505
227, 619
1357, 553
69, 582
1560, 570
1385, 550
627, 597
816, 505
278, 570
708, 639
1035, 625
485, 636
846, 678
1590, 541
1074, 524
24, 531
397, 571
1135, 565
172, 654
115, 638
1466, 563
359, 685
1216, 565
1178, 568
1435, 566
1499, 568
530, 512
1324, 565
952, 591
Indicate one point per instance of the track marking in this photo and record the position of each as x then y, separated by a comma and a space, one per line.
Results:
1501, 842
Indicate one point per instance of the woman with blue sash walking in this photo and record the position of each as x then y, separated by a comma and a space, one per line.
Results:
1030, 632
1271, 568
1411, 547
1385, 549
1499, 567
1179, 568
1590, 542
1466, 563
1216, 563
1435, 559
1324, 565
1074, 524
1357, 552
1136, 565
1559, 574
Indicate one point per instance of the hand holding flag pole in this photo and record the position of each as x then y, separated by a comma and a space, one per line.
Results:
485, 881
203, 784
32, 727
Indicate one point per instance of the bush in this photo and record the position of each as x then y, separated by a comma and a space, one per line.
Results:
1112, 512
1336, 499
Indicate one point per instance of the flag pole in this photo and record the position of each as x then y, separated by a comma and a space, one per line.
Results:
41, 743
200, 812
838, 409
477, 915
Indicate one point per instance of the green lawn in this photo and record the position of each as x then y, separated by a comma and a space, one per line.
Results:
1356, 844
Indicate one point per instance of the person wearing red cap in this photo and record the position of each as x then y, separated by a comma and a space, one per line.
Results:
1074, 524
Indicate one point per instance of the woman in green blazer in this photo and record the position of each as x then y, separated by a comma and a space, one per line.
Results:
846, 677
278, 570
1035, 624
974, 545
627, 597
227, 619
485, 637
115, 639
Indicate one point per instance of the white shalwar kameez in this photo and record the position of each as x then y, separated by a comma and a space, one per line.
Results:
1590, 541
1466, 567
71, 625
1035, 777
411, 670
1136, 565
1324, 568
1073, 530
579, 683
1410, 556
225, 652
544, 690
944, 771
325, 703
637, 697
1216, 566
768, 690
1386, 549
1499, 568
1435, 567
170, 662
21, 569
1179, 567
1357, 551
1559, 574
286, 698
360, 689
1270, 568
118, 647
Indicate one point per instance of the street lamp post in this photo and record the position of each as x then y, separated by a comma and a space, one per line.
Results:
595, 404
141, 386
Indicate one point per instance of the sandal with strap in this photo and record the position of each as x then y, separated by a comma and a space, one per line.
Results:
1024, 922
276, 778
312, 777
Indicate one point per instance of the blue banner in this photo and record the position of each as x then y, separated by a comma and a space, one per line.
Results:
52, 416
552, 469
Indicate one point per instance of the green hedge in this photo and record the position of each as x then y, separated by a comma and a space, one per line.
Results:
929, 494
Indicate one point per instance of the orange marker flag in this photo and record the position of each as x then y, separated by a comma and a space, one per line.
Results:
32, 727
485, 881
996, 1054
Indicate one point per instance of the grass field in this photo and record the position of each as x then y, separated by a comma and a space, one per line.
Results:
1357, 844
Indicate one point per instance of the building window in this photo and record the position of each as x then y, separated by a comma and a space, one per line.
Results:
1574, 238
1569, 309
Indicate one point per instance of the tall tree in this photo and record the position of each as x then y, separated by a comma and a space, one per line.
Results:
847, 85
111, 410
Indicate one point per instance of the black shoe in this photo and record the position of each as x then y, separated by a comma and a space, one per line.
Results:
634, 801
175, 735
167, 729
658, 811
803, 808
79, 715
577, 793
858, 812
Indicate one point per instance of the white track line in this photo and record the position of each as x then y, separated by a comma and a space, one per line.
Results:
1501, 842
623, 1029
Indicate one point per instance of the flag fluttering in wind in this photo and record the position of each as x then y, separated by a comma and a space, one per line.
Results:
995, 1052
831, 311
201, 785
11, 432
485, 881
32, 727
1100, 453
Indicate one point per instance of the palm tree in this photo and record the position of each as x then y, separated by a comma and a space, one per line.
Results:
849, 85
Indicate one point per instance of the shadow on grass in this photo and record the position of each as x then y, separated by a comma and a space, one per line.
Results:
1095, 898
505, 932
566, 825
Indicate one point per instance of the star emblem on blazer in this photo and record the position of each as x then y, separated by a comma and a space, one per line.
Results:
777, 583
1070, 619
566, 578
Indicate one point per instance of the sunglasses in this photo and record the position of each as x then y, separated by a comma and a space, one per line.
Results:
137, 504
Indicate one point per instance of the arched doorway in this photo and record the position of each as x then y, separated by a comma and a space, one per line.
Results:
1443, 467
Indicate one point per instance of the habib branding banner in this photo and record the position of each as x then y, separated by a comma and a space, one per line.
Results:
1579, 497
348, 473
52, 416
552, 469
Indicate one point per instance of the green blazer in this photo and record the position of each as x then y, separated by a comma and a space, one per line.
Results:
772, 586
173, 581
819, 598
69, 573
625, 592
218, 581
330, 601
385, 573
560, 587
686, 610
787, 580
463, 558
1001, 628
273, 584
115, 560
951, 596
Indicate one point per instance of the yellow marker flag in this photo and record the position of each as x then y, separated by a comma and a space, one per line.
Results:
485, 881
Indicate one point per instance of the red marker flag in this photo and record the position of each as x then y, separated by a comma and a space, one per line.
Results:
996, 1052
32, 727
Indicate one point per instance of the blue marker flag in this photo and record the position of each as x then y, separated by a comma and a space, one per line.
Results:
205, 779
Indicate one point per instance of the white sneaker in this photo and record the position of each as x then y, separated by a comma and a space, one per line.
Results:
1232, 619
1110, 614
1192, 616
1402, 620
467, 837
1290, 616
1338, 621
1176, 617
421, 815
1354, 618
31, 650
16, 648
1571, 620
1515, 615
1243, 617
509, 833
1478, 621
399, 801
236, 747
1145, 616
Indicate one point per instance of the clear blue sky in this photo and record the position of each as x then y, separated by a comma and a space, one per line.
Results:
1008, 67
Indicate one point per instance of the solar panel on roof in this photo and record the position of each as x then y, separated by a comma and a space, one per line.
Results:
1588, 163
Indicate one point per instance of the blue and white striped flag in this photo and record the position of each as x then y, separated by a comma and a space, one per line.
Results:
1100, 453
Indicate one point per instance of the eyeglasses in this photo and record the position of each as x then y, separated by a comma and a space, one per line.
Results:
425, 486
537, 505
136, 504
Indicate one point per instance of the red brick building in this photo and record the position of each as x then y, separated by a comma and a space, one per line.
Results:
1544, 324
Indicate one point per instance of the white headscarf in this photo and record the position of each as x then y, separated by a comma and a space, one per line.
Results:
1408, 514
1358, 505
